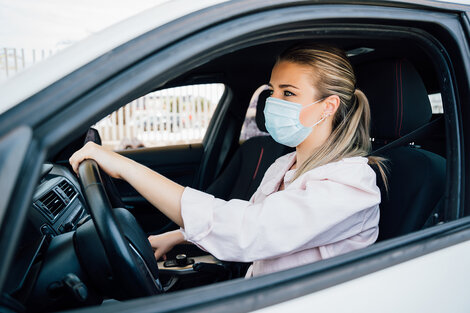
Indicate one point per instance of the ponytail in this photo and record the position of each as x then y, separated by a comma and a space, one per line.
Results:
379, 162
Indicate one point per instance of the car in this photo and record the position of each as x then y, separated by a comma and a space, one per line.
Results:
64, 246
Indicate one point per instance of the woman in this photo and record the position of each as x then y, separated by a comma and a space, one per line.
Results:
317, 202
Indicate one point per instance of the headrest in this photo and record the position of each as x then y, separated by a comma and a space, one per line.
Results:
261, 102
399, 102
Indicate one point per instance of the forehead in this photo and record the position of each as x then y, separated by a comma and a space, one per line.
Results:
290, 72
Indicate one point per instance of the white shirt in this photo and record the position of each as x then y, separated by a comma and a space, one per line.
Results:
327, 211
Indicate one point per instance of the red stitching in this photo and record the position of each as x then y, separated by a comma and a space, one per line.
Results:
401, 100
259, 161
398, 105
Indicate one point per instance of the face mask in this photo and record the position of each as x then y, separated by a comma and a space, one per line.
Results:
283, 123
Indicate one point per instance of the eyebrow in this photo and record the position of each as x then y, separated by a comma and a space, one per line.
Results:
283, 86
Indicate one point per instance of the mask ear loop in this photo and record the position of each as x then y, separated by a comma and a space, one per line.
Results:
324, 116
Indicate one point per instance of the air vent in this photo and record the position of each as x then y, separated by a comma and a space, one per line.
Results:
51, 203
68, 190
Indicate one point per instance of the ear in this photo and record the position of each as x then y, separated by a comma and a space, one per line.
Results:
331, 104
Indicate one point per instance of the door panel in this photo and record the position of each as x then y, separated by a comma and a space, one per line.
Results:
178, 163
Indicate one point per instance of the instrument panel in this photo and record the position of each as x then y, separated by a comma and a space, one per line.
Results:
57, 207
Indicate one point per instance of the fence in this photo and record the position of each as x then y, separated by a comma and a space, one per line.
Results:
178, 115
13, 60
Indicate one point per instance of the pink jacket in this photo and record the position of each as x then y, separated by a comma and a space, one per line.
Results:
330, 210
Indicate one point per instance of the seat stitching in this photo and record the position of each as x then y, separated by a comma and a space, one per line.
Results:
398, 104
401, 101
259, 161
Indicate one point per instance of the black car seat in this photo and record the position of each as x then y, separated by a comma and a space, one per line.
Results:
399, 105
243, 174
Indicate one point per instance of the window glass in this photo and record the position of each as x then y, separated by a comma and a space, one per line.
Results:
250, 128
166, 117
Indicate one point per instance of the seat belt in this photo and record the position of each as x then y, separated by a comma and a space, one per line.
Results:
410, 137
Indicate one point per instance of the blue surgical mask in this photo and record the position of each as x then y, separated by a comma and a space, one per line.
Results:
283, 123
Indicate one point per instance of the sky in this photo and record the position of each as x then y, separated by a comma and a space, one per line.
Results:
55, 24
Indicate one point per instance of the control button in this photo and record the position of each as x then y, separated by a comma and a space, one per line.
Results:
83, 220
181, 260
69, 226
76, 287
46, 230
170, 263
71, 284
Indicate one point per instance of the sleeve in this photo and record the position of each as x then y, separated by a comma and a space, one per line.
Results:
326, 211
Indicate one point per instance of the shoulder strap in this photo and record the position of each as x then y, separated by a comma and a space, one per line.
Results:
410, 137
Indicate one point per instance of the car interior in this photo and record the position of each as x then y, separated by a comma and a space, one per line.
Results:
62, 262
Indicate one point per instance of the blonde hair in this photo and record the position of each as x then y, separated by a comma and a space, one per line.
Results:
333, 74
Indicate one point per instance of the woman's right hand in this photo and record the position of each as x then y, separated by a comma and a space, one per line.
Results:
109, 161
163, 243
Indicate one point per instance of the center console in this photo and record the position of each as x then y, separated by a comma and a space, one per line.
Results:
187, 266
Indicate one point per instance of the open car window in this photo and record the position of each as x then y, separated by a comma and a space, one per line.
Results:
172, 116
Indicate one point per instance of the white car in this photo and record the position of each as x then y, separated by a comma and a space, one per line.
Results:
62, 246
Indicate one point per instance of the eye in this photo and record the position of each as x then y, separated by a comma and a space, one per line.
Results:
287, 93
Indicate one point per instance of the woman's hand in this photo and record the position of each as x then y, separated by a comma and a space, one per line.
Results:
109, 161
161, 192
163, 243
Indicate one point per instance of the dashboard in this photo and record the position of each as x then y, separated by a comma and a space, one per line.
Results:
60, 261
58, 207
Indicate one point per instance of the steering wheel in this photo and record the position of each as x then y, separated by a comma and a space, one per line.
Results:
128, 251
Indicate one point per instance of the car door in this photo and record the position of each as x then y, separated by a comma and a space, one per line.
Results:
389, 264
236, 24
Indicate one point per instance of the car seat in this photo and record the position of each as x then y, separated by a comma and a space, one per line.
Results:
399, 105
244, 172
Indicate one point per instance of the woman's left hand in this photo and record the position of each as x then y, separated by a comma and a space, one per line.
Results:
163, 243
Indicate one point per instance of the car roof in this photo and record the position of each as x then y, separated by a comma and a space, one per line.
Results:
39, 76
